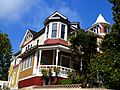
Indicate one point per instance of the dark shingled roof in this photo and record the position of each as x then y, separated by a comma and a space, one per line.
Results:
33, 32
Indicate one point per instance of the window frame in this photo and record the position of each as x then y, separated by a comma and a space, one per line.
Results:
65, 57
63, 31
44, 58
30, 61
52, 34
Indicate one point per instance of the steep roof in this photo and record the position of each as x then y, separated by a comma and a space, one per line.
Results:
56, 16
100, 19
33, 32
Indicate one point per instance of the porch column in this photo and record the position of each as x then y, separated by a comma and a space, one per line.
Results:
53, 58
57, 51
35, 64
40, 55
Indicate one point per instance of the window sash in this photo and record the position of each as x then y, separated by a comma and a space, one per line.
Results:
65, 62
54, 30
44, 60
62, 31
30, 61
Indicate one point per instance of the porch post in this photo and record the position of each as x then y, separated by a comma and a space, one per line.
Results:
40, 55
53, 58
57, 51
35, 64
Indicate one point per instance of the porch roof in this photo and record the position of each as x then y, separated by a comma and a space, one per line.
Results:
44, 47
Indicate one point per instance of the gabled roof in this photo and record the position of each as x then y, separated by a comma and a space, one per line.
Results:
33, 32
56, 16
100, 19
28, 31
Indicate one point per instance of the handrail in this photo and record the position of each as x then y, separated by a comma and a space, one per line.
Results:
63, 70
54, 66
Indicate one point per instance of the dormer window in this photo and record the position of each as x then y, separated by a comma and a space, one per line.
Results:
54, 30
62, 31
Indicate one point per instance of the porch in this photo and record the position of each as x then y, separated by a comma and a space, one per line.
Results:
49, 59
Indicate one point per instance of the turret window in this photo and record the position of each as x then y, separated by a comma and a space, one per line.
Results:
62, 31
54, 30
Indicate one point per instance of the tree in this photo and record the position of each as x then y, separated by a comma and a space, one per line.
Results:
5, 55
83, 46
116, 15
105, 67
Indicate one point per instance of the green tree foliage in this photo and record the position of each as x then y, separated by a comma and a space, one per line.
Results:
73, 78
83, 46
105, 67
116, 15
5, 55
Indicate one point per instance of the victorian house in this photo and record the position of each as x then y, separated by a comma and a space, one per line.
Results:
48, 49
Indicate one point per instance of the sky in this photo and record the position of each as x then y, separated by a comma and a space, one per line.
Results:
16, 16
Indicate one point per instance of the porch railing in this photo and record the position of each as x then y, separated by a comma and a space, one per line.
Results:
62, 73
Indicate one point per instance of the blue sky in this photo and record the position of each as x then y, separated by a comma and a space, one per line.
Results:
16, 16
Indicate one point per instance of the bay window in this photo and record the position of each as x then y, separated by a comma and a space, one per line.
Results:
62, 31
54, 30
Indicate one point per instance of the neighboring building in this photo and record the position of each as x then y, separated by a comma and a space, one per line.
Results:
47, 49
3, 84
14, 71
100, 28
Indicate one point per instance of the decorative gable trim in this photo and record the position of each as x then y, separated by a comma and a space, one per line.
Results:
25, 37
57, 13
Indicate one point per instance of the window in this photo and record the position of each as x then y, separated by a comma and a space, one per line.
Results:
97, 30
65, 61
54, 29
44, 60
47, 31
37, 42
106, 30
30, 61
27, 64
16, 61
62, 31
26, 48
24, 64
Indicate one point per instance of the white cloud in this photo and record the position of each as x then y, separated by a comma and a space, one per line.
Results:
44, 10
13, 9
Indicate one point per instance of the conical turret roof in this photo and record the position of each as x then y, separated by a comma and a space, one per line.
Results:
100, 19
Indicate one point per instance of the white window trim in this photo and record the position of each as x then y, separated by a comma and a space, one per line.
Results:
31, 60
56, 31
65, 34
50, 31
66, 57
24, 66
